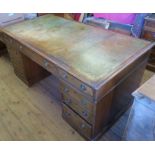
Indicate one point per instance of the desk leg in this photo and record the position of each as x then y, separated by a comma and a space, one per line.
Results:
26, 69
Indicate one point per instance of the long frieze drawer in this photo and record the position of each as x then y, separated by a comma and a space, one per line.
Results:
75, 82
77, 122
37, 58
83, 108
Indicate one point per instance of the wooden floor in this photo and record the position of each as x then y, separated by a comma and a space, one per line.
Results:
33, 114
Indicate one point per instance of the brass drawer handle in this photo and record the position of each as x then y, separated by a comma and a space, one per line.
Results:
82, 126
82, 87
20, 47
65, 76
46, 63
66, 90
83, 101
68, 101
84, 113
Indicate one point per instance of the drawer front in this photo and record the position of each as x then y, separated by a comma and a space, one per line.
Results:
73, 93
149, 23
8, 40
15, 55
77, 122
75, 82
152, 61
85, 110
148, 35
16, 59
10, 43
152, 55
37, 58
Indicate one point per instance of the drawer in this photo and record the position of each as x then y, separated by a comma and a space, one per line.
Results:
37, 58
151, 61
152, 55
79, 104
65, 88
75, 82
17, 62
149, 23
77, 122
16, 57
148, 35
85, 111
151, 67
8, 40
14, 54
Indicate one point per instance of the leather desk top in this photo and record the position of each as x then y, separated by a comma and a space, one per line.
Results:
90, 54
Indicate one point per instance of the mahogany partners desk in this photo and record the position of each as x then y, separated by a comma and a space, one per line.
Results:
97, 69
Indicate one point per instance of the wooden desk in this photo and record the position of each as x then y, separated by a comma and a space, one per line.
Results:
97, 69
141, 122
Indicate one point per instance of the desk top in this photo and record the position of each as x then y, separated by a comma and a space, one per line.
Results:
91, 54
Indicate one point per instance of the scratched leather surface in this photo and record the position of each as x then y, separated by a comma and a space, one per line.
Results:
89, 52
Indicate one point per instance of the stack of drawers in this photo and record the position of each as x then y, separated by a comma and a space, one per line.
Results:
78, 110
149, 34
